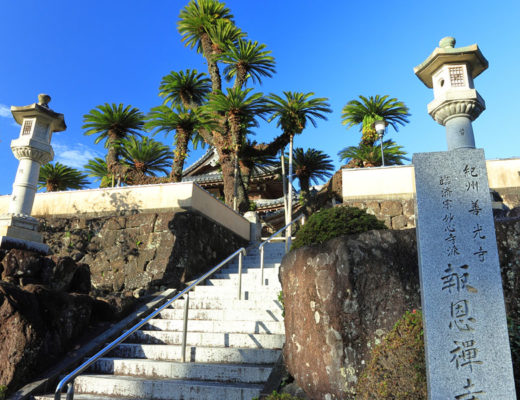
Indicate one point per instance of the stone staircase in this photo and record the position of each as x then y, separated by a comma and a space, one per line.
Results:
231, 344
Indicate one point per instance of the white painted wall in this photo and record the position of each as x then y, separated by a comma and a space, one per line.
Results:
398, 182
152, 198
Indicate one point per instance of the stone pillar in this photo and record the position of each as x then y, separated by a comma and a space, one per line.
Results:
256, 226
17, 228
465, 327
450, 72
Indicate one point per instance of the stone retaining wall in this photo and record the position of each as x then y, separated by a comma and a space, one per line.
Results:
148, 251
396, 214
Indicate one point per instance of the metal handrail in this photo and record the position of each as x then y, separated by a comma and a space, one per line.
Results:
69, 379
261, 247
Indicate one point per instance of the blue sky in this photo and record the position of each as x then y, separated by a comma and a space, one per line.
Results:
87, 53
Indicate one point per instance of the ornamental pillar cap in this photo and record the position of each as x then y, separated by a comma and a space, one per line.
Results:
446, 53
40, 109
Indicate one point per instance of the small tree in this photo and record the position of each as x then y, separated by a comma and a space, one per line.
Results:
58, 177
368, 110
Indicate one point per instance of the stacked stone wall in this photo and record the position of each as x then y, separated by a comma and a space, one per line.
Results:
150, 251
396, 214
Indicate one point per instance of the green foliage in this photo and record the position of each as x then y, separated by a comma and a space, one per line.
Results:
187, 87
3, 391
368, 110
370, 155
513, 326
279, 396
397, 369
57, 177
249, 59
297, 109
111, 120
333, 222
311, 166
97, 169
145, 155
280, 299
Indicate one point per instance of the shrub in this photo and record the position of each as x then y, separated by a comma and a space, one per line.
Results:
279, 396
513, 326
397, 369
333, 222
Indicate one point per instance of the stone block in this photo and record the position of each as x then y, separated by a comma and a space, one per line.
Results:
162, 223
136, 220
408, 207
399, 222
391, 208
373, 207
115, 224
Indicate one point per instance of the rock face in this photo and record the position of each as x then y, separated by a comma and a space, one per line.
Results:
343, 296
36, 327
148, 250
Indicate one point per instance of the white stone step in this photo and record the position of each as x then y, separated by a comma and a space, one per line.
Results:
217, 326
211, 303
163, 352
222, 315
247, 280
164, 389
273, 263
206, 339
251, 274
215, 291
245, 373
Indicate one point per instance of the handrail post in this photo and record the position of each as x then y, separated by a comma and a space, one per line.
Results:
262, 264
185, 327
240, 276
70, 390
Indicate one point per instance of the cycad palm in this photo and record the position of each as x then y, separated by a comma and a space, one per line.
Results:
310, 166
368, 110
196, 22
240, 110
292, 114
188, 88
186, 123
145, 156
113, 123
97, 169
370, 156
247, 58
57, 177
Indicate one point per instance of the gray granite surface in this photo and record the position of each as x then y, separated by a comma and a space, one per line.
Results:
467, 347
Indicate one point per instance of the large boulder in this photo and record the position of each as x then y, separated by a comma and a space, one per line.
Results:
37, 326
342, 297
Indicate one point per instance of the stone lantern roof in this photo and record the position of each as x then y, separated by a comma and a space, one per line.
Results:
446, 53
39, 109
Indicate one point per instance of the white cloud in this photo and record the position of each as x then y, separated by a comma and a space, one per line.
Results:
5, 111
75, 156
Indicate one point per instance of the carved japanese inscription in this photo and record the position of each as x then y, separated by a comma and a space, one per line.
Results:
467, 347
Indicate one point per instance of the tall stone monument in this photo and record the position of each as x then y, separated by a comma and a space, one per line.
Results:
17, 228
466, 339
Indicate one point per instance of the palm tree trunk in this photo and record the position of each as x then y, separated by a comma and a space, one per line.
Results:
305, 193
112, 155
241, 76
181, 152
214, 73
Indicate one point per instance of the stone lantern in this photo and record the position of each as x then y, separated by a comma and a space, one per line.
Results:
17, 228
450, 72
